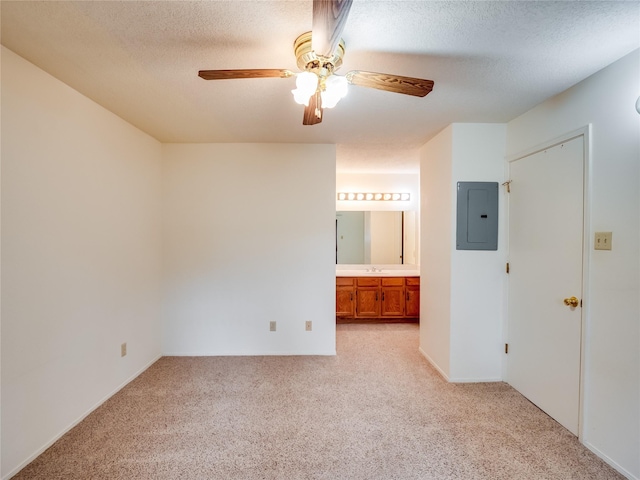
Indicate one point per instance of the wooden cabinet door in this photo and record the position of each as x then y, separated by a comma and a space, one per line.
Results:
392, 301
412, 301
368, 302
344, 301
390, 298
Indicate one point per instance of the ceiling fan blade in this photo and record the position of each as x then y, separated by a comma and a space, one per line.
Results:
313, 112
250, 73
329, 18
390, 83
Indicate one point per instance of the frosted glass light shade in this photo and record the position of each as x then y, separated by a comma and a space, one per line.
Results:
306, 83
335, 89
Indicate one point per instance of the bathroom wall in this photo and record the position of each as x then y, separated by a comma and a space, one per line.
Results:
374, 182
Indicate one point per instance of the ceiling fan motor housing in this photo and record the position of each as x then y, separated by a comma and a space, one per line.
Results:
309, 61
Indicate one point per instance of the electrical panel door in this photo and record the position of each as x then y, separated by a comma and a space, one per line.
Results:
477, 216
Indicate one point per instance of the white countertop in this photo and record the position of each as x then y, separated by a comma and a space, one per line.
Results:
380, 271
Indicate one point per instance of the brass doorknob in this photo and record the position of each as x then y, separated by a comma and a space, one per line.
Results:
571, 302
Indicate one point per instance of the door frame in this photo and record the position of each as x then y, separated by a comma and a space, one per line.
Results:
585, 133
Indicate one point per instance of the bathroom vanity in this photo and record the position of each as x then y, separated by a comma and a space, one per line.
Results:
377, 296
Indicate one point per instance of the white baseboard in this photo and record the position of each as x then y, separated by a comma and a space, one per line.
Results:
475, 380
457, 380
39, 451
328, 353
611, 462
434, 364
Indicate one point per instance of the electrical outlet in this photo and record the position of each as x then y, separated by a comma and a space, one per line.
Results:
307, 325
123, 349
272, 326
603, 241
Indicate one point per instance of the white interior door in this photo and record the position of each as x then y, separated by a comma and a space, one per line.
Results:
546, 206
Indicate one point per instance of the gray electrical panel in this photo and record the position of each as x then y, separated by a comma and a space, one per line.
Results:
477, 216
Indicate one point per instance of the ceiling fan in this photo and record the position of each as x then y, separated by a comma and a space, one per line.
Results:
319, 55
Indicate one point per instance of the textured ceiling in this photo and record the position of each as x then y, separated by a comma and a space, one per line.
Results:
490, 61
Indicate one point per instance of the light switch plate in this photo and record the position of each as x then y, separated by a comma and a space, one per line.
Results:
602, 241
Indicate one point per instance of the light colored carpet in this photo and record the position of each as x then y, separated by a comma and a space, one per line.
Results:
377, 410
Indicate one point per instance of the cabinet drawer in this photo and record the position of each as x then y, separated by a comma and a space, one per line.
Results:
393, 282
368, 282
344, 281
413, 280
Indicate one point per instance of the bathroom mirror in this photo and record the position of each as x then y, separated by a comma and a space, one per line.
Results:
377, 238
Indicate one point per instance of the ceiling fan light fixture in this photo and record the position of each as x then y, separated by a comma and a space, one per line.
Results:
335, 88
307, 84
319, 55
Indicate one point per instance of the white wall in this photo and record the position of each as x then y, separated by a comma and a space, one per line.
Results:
81, 257
612, 299
461, 291
411, 239
383, 183
478, 277
436, 210
249, 236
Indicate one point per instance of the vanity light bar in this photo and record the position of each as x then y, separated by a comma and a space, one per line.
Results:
372, 197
